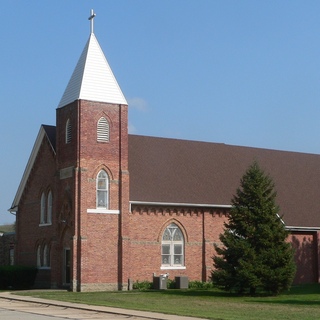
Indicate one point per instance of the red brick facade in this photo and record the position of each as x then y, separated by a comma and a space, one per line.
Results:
95, 235
95, 250
200, 227
306, 248
106, 249
7, 245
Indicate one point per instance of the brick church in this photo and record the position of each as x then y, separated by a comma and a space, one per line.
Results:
97, 206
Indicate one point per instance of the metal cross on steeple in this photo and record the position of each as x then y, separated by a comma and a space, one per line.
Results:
91, 20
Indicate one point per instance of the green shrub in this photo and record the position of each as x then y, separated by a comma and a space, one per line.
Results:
200, 285
171, 284
147, 285
143, 285
17, 277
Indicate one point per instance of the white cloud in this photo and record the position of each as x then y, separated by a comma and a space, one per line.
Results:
131, 128
138, 104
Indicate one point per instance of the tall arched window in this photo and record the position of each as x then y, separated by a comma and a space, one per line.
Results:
172, 247
49, 207
68, 131
46, 256
103, 130
43, 209
39, 256
46, 208
102, 190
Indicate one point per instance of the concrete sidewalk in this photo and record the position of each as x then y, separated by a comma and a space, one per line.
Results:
107, 310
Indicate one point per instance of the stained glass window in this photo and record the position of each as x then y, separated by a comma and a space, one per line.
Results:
172, 246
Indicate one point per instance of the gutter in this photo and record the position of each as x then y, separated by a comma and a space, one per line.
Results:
305, 229
13, 210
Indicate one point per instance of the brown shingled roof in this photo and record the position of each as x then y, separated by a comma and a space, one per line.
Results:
181, 171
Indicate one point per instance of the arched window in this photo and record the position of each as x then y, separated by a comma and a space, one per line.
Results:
46, 256
103, 130
68, 131
102, 190
49, 208
172, 247
46, 208
43, 209
39, 256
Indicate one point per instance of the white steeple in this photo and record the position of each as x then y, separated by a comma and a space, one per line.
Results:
92, 79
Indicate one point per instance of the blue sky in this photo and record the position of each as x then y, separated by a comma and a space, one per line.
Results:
228, 71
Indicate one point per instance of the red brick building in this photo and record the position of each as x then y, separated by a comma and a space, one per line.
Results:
7, 243
97, 206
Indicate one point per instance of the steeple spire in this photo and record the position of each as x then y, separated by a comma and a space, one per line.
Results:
92, 16
92, 79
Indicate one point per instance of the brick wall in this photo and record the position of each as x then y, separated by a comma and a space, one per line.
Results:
96, 260
7, 243
201, 229
30, 234
306, 255
29, 231
107, 249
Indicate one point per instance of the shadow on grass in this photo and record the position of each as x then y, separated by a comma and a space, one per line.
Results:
290, 302
304, 289
294, 291
198, 293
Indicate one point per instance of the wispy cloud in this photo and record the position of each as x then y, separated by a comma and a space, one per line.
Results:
138, 104
132, 129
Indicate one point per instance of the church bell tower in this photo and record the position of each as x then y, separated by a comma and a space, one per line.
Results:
92, 163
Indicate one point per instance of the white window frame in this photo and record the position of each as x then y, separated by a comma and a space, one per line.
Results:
43, 209
169, 242
43, 257
49, 208
39, 256
102, 188
46, 256
46, 209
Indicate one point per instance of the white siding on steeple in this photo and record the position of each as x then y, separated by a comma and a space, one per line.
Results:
92, 79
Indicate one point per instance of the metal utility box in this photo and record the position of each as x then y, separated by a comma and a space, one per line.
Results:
160, 282
182, 282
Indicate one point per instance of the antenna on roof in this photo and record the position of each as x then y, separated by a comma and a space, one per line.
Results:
91, 20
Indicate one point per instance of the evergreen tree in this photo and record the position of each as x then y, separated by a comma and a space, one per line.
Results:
254, 252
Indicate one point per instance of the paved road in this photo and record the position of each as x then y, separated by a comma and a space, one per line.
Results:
16, 310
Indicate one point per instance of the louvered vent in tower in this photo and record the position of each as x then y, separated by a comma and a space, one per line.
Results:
68, 131
103, 130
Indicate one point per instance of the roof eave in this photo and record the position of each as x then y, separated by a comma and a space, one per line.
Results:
302, 229
178, 204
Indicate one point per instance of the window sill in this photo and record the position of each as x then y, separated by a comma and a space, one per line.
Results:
103, 211
173, 268
45, 224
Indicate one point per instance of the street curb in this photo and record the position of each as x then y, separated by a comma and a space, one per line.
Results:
85, 307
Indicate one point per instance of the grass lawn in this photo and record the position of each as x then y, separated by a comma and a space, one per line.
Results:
300, 303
